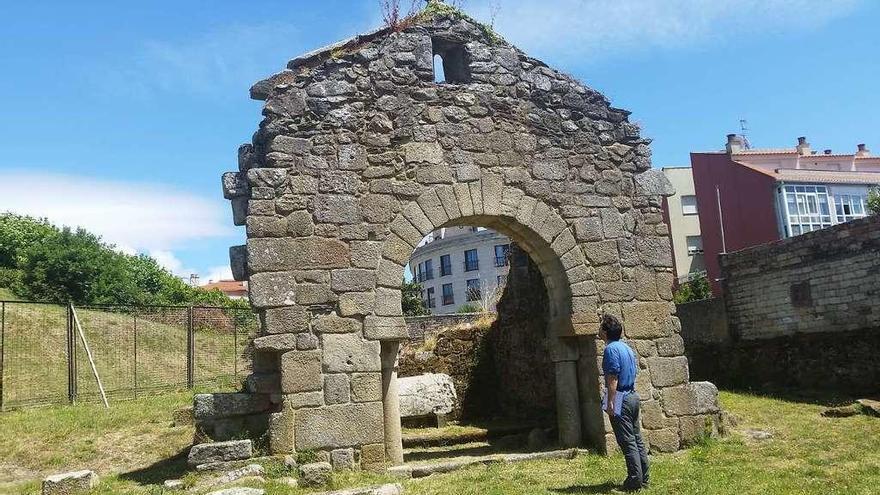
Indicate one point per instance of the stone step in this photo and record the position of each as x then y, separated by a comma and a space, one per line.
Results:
423, 470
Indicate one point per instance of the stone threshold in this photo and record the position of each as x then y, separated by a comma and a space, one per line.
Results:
423, 470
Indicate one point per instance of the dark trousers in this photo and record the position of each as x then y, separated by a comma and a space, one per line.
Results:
629, 438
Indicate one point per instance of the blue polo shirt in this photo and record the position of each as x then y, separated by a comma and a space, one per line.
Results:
618, 359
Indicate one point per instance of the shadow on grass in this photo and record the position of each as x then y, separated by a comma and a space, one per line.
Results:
606, 487
827, 398
155, 474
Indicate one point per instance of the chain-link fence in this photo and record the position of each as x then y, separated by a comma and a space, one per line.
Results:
136, 350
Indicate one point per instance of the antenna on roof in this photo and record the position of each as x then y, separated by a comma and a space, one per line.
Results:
744, 129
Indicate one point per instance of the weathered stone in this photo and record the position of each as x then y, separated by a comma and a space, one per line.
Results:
647, 320
215, 406
238, 262
263, 383
290, 319
424, 395
665, 440
233, 450
334, 324
275, 343
304, 399
653, 182
338, 426
678, 401
336, 389
385, 328
300, 371
705, 397
296, 254
315, 474
346, 353
239, 491
272, 289
668, 371
282, 439
373, 456
356, 303
343, 459
70, 483
173, 485
423, 153
670, 346
352, 280
366, 387
306, 342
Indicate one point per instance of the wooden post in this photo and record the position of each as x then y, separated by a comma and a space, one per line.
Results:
85, 344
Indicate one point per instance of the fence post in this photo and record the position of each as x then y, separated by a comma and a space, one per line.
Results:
2, 347
190, 349
71, 357
135, 354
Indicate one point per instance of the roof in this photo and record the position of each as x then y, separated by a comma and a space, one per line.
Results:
226, 286
827, 177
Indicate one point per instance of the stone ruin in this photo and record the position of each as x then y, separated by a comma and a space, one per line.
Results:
360, 154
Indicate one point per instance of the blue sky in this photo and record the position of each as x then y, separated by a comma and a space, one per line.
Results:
122, 119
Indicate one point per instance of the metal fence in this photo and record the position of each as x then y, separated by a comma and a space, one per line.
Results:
137, 350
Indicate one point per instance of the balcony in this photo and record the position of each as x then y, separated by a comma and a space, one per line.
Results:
445, 270
471, 265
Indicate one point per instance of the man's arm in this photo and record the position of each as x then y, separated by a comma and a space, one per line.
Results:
611, 387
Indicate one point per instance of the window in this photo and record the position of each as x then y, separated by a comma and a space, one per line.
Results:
694, 245
445, 265
454, 59
420, 273
473, 290
689, 205
849, 207
501, 253
429, 302
429, 269
448, 298
807, 208
471, 262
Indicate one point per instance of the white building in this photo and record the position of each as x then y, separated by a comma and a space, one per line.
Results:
461, 265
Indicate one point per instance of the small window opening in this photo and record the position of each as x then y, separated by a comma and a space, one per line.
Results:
450, 62
439, 75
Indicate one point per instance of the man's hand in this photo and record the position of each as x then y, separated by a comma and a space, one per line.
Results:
610, 410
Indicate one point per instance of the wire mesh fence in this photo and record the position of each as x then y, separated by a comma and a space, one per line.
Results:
136, 350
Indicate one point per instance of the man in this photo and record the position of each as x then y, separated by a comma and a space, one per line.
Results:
622, 402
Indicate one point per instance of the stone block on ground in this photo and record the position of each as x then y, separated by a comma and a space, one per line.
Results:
173, 485
315, 474
426, 395
239, 491
234, 450
389, 489
70, 483
249, 471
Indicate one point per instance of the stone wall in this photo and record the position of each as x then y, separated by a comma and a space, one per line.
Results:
422, 328
800, 313
361, 153
823, 282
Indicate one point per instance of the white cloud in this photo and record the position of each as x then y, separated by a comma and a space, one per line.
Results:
217, 273
590, 29
136, 217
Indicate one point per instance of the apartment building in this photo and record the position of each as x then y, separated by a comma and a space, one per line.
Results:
682, 215
746, 197
460, 265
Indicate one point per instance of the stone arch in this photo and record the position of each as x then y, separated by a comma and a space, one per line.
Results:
548, 240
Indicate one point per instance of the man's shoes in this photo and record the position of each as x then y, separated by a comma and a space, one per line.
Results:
631, 487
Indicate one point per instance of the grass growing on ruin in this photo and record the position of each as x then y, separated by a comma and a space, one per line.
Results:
130, 447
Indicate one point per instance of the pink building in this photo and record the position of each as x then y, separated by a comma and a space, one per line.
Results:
747, 197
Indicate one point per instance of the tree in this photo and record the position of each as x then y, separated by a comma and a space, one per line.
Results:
411, 299
695, 289
874, 201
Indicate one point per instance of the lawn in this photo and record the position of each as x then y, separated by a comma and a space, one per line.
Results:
807, 454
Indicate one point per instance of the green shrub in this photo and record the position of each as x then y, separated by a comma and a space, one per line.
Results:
874, 201
411, 299
695, 289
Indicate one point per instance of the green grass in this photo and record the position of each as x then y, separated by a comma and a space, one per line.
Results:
35, 353
130, 447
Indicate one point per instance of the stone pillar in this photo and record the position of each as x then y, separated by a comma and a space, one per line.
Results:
391, 403
568, 409
589, 386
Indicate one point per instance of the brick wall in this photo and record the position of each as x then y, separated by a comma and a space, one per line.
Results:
824, 281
